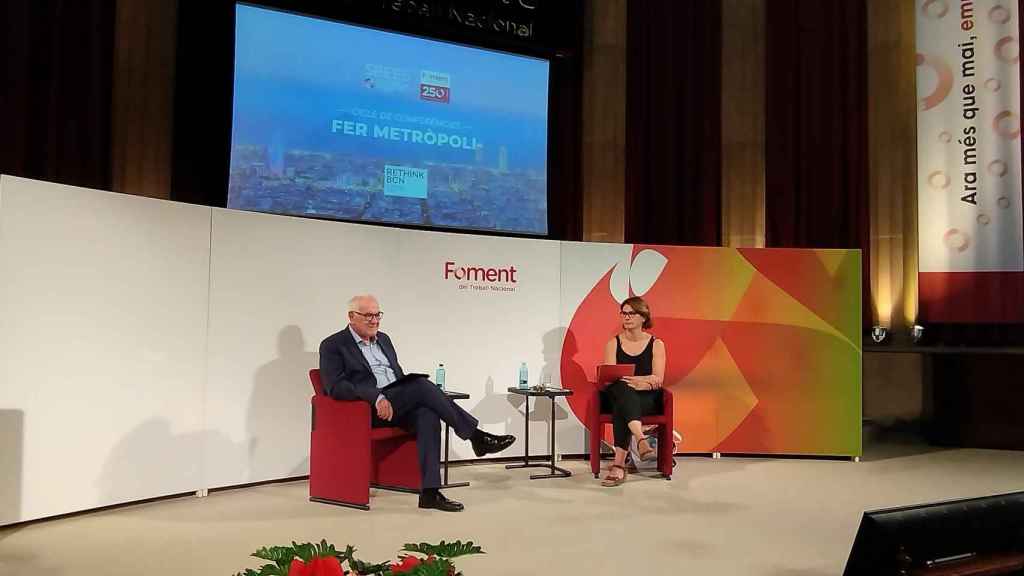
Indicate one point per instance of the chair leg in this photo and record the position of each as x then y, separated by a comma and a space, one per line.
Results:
665, 455
596, 431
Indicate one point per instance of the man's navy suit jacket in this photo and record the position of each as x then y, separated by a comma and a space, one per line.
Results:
344, 370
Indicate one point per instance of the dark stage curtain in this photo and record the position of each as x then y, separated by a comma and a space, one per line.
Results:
673, 122
816, 126
204, 82
55, 103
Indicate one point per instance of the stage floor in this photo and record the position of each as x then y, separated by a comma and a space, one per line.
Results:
729, 516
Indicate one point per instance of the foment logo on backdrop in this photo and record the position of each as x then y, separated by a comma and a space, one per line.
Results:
474, 277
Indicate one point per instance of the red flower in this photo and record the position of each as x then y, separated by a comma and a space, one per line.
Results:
408, 563
319, 566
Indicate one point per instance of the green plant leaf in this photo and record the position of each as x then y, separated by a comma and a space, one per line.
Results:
347, 555
366, 569
438, 567
280, 555
266, 570
445, 549
305, 552
358, 566
326, 549
272, 553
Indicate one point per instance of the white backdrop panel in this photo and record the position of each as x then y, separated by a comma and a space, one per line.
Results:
279, 285
583, 265
104, 307
482, 305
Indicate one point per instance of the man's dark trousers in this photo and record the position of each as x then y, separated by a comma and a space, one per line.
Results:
419, 407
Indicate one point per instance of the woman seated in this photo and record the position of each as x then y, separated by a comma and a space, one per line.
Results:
635, 396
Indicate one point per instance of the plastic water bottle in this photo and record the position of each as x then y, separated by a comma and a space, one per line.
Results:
439, 376
524, 377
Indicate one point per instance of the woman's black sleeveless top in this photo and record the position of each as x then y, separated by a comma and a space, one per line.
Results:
644, 361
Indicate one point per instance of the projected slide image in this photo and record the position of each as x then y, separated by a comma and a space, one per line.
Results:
340, 121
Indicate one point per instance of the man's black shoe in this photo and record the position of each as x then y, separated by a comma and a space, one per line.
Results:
484, 443
437, 501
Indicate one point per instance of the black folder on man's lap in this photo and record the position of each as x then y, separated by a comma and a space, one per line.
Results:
407, 378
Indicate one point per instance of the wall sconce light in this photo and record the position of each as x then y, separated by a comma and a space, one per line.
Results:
879, 333
916, 333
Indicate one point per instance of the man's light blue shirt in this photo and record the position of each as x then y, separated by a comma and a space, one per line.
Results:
375, 357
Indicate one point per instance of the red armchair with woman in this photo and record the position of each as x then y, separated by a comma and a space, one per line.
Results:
631, 398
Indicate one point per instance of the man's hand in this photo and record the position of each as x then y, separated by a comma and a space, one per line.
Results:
384, 411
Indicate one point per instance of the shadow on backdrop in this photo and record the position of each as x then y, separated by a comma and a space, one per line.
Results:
12, 426
152, 461
278, 419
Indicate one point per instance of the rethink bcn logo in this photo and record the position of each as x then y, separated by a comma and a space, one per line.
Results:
404, 181
481, 278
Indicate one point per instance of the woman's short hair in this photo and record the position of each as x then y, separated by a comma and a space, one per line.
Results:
639, 305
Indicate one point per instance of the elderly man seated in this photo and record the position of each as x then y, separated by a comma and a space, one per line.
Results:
360, 362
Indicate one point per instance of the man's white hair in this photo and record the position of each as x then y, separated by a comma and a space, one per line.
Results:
353, 304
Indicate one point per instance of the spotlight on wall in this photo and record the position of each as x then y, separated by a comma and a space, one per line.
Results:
916, 333
878, 334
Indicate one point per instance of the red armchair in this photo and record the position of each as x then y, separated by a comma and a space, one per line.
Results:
596, 421
347, 456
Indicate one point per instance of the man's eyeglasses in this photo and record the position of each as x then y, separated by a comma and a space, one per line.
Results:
377, 316
626, 314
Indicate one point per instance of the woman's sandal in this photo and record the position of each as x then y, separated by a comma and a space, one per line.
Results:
645, 451
610, 480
